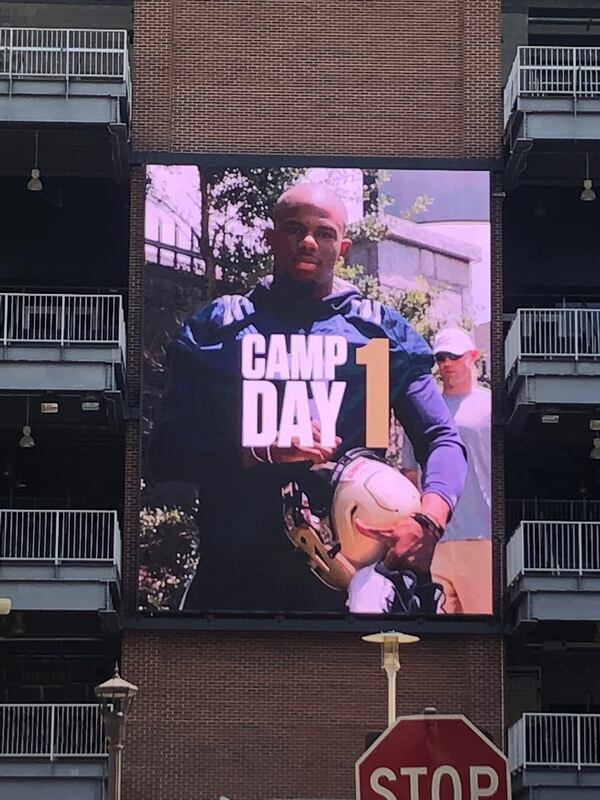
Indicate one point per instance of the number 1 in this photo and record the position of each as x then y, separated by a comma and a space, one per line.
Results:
375, 356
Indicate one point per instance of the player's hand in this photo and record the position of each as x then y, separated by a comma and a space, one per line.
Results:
410, 545
317, 453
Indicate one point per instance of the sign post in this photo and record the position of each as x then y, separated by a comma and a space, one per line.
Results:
432, 757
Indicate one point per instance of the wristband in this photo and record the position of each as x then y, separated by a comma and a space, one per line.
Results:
429, 523
269, 459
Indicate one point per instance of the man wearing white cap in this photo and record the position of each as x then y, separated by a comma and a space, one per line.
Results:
462, 562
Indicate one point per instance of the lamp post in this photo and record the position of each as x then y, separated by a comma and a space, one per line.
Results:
116, 698
390, 662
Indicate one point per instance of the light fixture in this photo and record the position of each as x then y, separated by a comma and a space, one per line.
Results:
26, 441
588, 194
49, 408
116, 698
595, 424
390, 642
34, 184
90, 405
595, 451
550, 419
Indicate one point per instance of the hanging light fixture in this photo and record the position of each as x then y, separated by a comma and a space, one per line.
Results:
26, 441
116, 698
34, 184
587, 194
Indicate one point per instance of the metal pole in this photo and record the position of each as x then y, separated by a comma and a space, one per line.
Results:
391, 665
115, 729
390, 662
111, 772
115, 769
391, 697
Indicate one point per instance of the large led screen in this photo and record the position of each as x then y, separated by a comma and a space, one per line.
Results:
316, 402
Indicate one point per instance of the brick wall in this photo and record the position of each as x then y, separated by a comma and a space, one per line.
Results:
280, 715
284, 716
131, 504
384, 77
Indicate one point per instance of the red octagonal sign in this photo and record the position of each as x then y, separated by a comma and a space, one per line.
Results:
432, 757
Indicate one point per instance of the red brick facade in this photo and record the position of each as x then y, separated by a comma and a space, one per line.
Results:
384, 77
284, 715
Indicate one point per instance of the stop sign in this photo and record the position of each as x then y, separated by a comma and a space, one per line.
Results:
432, 757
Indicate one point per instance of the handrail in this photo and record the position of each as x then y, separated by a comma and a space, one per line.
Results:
555, 547
554, 740
552, 333
60, 536
511, 90
62, 319
552, 72
66, 730
65, 53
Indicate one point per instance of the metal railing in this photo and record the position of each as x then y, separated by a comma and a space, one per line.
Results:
571, 333
511, 90
51, 731
542, 509
554, 740
552, 72
64, 53
62, 319
60, 536
553, 547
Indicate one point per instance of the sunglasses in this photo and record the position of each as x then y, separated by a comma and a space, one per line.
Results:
439, 357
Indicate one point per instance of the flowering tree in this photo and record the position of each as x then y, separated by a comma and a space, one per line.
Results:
169, 553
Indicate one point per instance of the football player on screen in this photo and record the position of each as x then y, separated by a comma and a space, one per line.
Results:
246, 563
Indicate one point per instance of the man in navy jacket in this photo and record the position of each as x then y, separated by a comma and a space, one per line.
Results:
246, 563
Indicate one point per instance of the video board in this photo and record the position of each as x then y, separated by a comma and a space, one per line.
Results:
316, 402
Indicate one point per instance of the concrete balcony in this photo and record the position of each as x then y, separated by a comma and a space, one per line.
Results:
551, 101
555, 757
552, 357
553, 572
52, 752
75, 79
64, 75
61, 561
72, 344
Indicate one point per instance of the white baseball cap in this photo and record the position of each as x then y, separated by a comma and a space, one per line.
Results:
452, 340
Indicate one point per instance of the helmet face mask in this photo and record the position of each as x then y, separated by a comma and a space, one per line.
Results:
308, 527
